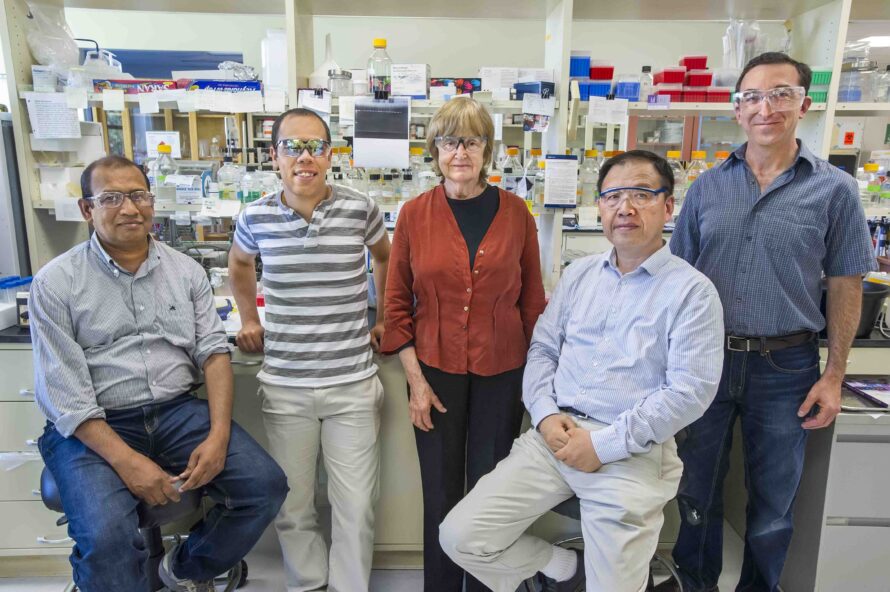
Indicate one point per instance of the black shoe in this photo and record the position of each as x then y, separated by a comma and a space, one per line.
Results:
573, 584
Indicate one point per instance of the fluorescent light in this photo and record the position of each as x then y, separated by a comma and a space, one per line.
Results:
877, 41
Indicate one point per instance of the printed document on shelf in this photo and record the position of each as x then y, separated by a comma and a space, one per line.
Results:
51, 117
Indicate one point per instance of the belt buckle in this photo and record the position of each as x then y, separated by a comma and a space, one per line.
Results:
729, 342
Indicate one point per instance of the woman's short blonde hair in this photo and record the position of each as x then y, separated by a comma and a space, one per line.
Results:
462, 117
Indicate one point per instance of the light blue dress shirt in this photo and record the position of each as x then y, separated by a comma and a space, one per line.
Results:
640, 352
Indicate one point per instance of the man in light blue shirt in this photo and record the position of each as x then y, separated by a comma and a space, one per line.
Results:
627, 353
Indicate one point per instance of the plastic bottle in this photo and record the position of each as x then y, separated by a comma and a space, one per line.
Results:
872, 196
512, 171
355, 178
375, 189
415, 158
387, 191
673, 158
882, 87
501, 157
229, 180
538, 187
719, 157
697, 167
269, 182
885, 192
408, 188
426, 177
251, 185
647, 84
379, 68
165, 193
588, 175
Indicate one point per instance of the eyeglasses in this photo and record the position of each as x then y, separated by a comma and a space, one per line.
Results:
782, 98
115, 199
471, 144
294, 147
639, 197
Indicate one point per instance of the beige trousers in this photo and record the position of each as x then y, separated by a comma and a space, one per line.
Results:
621, 515
344, 421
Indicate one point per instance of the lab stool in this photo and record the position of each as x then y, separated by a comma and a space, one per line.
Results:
661, 562
151, 519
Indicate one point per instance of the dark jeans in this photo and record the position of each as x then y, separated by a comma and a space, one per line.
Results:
109, 553
484, 416
765, 391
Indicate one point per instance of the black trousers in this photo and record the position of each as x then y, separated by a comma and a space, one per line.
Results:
483, 418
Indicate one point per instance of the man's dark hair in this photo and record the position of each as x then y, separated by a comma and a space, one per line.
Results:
298, 112
804, 73
661, 167
106, 162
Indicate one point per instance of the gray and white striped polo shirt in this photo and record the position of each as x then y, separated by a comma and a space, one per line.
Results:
315, 285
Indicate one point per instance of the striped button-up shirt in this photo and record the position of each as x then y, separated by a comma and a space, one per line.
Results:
766, 251
641, 352
108, 339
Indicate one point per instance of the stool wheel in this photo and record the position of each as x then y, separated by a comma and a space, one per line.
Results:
243, 580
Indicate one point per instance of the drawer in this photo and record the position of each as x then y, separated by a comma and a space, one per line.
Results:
859, 477
20, 423
22, 483
853, 558
27, 523
17, 370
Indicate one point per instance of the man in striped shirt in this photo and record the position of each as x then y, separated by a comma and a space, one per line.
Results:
627, 353
319, 382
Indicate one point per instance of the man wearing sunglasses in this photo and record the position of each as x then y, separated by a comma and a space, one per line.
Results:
764, 226
626, 354
318, 380
122, 328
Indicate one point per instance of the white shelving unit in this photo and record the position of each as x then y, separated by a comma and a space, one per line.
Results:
819, 27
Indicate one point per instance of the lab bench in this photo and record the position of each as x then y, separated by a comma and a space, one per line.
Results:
31, 529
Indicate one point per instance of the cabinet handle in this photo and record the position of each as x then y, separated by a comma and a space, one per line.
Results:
27, 393
873, 522
243, 363
45, 541
864, 438
30, 442
36, 493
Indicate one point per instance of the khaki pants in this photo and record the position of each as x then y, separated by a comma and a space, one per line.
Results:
621, 515
344, 420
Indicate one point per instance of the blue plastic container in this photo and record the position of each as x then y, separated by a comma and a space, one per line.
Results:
579, 65
600, 88
627, 90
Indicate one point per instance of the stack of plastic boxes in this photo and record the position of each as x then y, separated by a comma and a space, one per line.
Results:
669, 81
697, 80
594, 77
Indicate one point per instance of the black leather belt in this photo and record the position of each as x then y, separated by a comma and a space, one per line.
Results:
767, 344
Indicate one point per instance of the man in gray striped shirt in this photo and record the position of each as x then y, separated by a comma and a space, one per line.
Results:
122, 328
319, 382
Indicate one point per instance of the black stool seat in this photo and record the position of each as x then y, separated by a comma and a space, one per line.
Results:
149, 516
570, 508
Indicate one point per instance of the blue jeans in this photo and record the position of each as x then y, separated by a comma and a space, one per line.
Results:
765, 391
109, 553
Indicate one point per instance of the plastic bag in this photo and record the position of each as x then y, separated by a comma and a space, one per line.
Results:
239, 71
49, 38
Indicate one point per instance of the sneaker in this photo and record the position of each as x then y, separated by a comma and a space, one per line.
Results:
576, 583
174, 584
